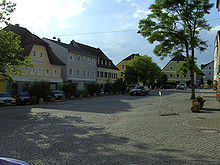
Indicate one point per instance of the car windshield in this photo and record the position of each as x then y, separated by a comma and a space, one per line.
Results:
139, 87
24, 94
57, 92
4, 95
181, 84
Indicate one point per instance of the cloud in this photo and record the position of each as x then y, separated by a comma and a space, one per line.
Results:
38, 14
215, 29
141, 13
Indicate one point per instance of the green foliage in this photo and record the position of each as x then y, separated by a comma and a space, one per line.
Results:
119, 86
69, 89
209, 82
199, 99
92, 88
6, 8
142, 68
40, 89
11, 57
108, 87
174, 25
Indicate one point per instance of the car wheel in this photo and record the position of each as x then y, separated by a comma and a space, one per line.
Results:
131, 94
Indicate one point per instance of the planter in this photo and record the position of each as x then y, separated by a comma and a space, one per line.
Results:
196, 106
34, 100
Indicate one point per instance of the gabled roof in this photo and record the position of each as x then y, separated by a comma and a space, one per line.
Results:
131, 57
73, 47
204, 65
100, 54
177, 58
28, 40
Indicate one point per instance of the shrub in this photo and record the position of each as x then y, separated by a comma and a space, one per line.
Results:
40, 89
108, 87
119, 86
69, 89
209, 82
92, 88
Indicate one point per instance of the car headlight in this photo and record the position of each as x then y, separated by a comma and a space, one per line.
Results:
2, 101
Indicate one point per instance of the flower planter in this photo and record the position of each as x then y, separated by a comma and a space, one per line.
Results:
196, 106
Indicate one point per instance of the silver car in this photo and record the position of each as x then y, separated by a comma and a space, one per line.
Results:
5, 98
139, 90
181, 86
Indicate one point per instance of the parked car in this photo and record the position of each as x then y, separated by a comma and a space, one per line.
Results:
11, 161
168, 86
181, 86
23, 98
130, 88
57, 94
5, 98
139, 90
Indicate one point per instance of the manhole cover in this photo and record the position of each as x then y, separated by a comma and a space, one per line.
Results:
209, 131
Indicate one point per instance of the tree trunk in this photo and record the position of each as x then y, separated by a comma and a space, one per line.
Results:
192, 71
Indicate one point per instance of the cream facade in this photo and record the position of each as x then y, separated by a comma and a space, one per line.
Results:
104, 75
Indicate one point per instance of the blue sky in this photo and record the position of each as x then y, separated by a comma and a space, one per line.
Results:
79, 19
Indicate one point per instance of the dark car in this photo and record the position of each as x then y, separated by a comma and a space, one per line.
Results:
23, 98
5, 98
168, 86
139, 90
57, 94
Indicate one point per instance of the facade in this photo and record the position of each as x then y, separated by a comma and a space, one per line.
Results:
81, 65
208, 70
46, 66
173, 76
122, 65
106, 70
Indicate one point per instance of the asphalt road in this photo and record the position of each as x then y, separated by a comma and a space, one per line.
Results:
118, 129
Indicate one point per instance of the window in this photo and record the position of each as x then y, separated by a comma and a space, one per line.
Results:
171, 67
171, 75
47, 72
210, 73
88, 73
106, 75
93, 74
34, 53
97, 73
32, 71
78, 72
84, 73
41, 54
210, 67
103, 61
109, 64
122, 74
101, 74
78, 58
89, 59
123, 66
116, 76
70, 71
93, 61
177, 61
55, 72
109, 75
178, 75
39, 71
184, 75
24, 71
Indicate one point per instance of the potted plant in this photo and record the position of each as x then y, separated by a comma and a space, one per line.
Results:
197, 104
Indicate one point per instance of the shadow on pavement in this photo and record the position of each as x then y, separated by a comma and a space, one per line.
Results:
46, 138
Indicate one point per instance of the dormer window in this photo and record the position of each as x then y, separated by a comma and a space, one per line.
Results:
109, 63
171, 67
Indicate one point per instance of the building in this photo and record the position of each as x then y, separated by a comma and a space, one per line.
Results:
81, 65
46, 66
171, 70
122, 65
106, 70
208, 70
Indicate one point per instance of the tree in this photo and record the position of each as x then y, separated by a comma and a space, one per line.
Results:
174, 25
6, 8
11, 57
142, 69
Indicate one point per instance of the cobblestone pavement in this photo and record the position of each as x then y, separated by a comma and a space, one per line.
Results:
120, 129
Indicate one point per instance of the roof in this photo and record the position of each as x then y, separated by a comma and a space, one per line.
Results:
204, 65
100, 54
130, 57
28, 40
73, 47
179, 58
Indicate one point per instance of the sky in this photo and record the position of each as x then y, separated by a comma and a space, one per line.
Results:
111, 25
